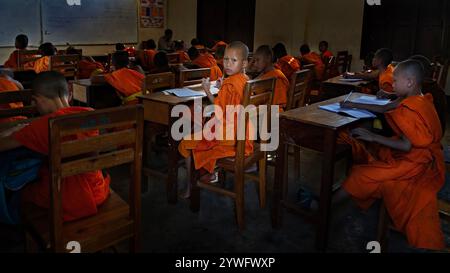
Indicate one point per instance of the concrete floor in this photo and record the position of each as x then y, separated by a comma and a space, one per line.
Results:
174, 228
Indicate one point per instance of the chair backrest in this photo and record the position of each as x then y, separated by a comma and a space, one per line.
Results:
119, 141
331, 69
65, 64
158, 82
256, 93
174, 58
26, 56
298, 90
308, 66
23, 96
193, 76
342, 61
440, 72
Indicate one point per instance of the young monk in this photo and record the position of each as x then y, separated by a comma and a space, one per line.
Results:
179, 48
310, 57
406, 170
160, 63
205, 60
286, 63
204, 152
43, 63
82, 193
324, 52
21, 43
7, 83
87, 65
126, 81
218, 43
263, 64
382, 61
196, 43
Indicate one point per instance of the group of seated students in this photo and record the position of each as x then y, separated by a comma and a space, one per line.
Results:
406, 170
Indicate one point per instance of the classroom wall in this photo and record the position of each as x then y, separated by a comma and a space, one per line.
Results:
182, 19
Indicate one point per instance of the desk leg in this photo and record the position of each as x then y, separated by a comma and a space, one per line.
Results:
280, 185
326, 190
172, 171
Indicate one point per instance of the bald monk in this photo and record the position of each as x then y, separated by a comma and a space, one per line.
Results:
217, 44
206, 152
179, 48
262, 62
311, 57
196, 43
286, 63
325, 54
9, 84
205, 60
87, 65
21, 43
160, 63
383, 73
82, 193
406, 170
127, 82
43, 63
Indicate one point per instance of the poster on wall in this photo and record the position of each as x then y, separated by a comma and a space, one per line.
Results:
152, 13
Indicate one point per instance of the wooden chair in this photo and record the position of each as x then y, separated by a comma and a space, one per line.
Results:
174, 58
298, 91
23, 96
331, 69
257, 92
342, 58
193, 76
66, 65
158, 82
440, 72
119, 142
26, 56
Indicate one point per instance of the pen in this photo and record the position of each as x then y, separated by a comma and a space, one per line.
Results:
348, 96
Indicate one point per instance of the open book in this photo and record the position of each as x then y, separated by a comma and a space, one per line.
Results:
356, 113
186, 92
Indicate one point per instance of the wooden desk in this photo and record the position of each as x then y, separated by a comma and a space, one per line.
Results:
318, 130
95, 95
157, 109
335, 87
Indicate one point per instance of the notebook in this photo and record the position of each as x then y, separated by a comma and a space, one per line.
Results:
356, 113
350, 80
186, 92
371, 100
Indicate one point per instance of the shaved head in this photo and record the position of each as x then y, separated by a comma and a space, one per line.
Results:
385, 56
240, 47
426, 63
265, 51
411, 69
50, 84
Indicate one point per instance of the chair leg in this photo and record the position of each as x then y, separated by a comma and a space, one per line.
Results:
297, 162
195, 190
262, 182
239, 201
383, 228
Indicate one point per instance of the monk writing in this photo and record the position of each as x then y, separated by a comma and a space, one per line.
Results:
205, 60
311, 57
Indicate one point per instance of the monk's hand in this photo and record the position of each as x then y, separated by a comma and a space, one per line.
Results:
363, 134
206, 85
219, 82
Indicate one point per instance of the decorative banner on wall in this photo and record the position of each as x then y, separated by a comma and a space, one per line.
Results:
152, 13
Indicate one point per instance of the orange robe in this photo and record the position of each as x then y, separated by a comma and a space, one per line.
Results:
219, 43
40, 65
149, 55
85, 68
281, 87
386, 79
13, 60
184, 57
7, 85
327, 54
207, 61
206, 152
407, 182
82, 193
288, 65
314, 58
127, 82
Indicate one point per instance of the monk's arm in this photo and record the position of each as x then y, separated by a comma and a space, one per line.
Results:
402, 144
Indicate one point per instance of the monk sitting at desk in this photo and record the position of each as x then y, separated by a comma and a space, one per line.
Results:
382, 62
263, 63
9, 84
126, 81
205, 60
43, 63
87, 65
206, 152
21, 43
311, 57
286, 63
406, 170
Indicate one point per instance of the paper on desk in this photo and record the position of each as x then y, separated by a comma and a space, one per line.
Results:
350, 80
372, 100
356, 113
185, 92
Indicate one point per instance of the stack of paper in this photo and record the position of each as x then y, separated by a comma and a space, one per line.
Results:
371, 100
185, 92
356, 113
